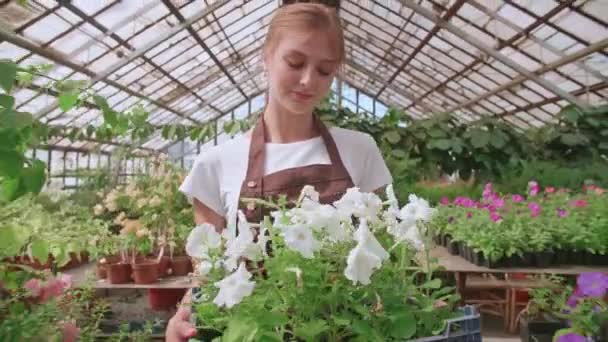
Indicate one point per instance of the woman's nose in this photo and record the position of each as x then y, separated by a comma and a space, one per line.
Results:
308, 77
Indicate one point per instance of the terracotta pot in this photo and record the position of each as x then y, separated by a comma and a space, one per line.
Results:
163, 266
102, 267
119, 273
165, 299
145, 272
181, 265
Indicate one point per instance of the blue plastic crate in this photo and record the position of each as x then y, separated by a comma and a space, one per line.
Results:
462, 329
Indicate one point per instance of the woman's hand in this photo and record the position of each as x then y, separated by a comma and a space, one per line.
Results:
179, 328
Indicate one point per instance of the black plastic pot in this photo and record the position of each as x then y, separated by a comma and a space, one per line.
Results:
479, 259
543, 259
576, 258
561, 257
531, 330
453, 247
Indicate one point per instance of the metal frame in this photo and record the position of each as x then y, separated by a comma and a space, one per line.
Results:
472, 81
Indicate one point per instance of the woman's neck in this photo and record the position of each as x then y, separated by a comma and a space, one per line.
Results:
282, 127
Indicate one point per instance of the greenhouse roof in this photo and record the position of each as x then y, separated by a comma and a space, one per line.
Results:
194, 61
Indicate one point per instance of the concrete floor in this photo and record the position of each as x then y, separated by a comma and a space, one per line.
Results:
492, 330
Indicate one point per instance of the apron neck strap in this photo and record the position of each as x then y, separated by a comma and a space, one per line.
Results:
257, 149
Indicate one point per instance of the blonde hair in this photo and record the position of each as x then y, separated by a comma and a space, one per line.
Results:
311, 16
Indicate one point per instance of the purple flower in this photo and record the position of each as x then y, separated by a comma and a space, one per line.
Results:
561, 212
593, 284
445, 200
464, 202
495, 217
491, 208
517, 198
571, 337
573, 299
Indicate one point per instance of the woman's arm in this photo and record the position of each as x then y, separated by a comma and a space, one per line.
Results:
179, 328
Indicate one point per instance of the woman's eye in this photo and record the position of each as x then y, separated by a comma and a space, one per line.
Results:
324, 73
295, 65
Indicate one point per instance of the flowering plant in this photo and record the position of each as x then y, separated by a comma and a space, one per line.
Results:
583, 308
503, 225
321, 272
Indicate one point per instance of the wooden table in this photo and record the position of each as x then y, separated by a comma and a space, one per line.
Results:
462, 267
86, 272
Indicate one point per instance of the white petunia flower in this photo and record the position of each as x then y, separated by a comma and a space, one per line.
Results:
392, 199
361, 205
324, 216
300, 238
366, 257
360, 265
242, 245
205, 267
413, 237
367, 239
234, 288
418, 209
308, 191
263, 239
202, 238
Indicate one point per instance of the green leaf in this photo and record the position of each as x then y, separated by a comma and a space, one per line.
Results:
498, 139
33, 177
604, 132
24, 79
603, 145
593, 122
6, 101
22, 119
392, 136
442, 144
432, 284
272, 319
11, 240
11, 163
480, 138
398, 153
9, 189
436, 133
310, 330
8, 74
574, 139
403, 326
571, 113
40, 250
239, 329
67, 100
101, 102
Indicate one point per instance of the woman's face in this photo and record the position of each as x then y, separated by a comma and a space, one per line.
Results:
301, 67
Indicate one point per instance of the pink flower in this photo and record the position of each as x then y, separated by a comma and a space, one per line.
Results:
445, 200
533, 188
70, 332
517, 198
499, 202
54, 287
549, 189
469, 214
599, 191
33, 285
495, 217
561, 212
464, 202
491, 208
579, 203
534, 208
487, 190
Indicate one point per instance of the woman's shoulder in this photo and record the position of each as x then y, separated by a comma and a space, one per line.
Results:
227, 149
352, 138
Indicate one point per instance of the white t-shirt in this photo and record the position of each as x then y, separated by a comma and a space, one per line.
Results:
218, 172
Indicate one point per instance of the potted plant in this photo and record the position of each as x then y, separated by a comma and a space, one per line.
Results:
334, 272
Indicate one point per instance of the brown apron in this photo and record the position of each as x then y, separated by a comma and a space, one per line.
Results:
330, 180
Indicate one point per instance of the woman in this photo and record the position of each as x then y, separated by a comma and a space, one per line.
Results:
289, 147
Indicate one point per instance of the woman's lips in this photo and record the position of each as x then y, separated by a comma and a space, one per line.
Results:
302, 96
